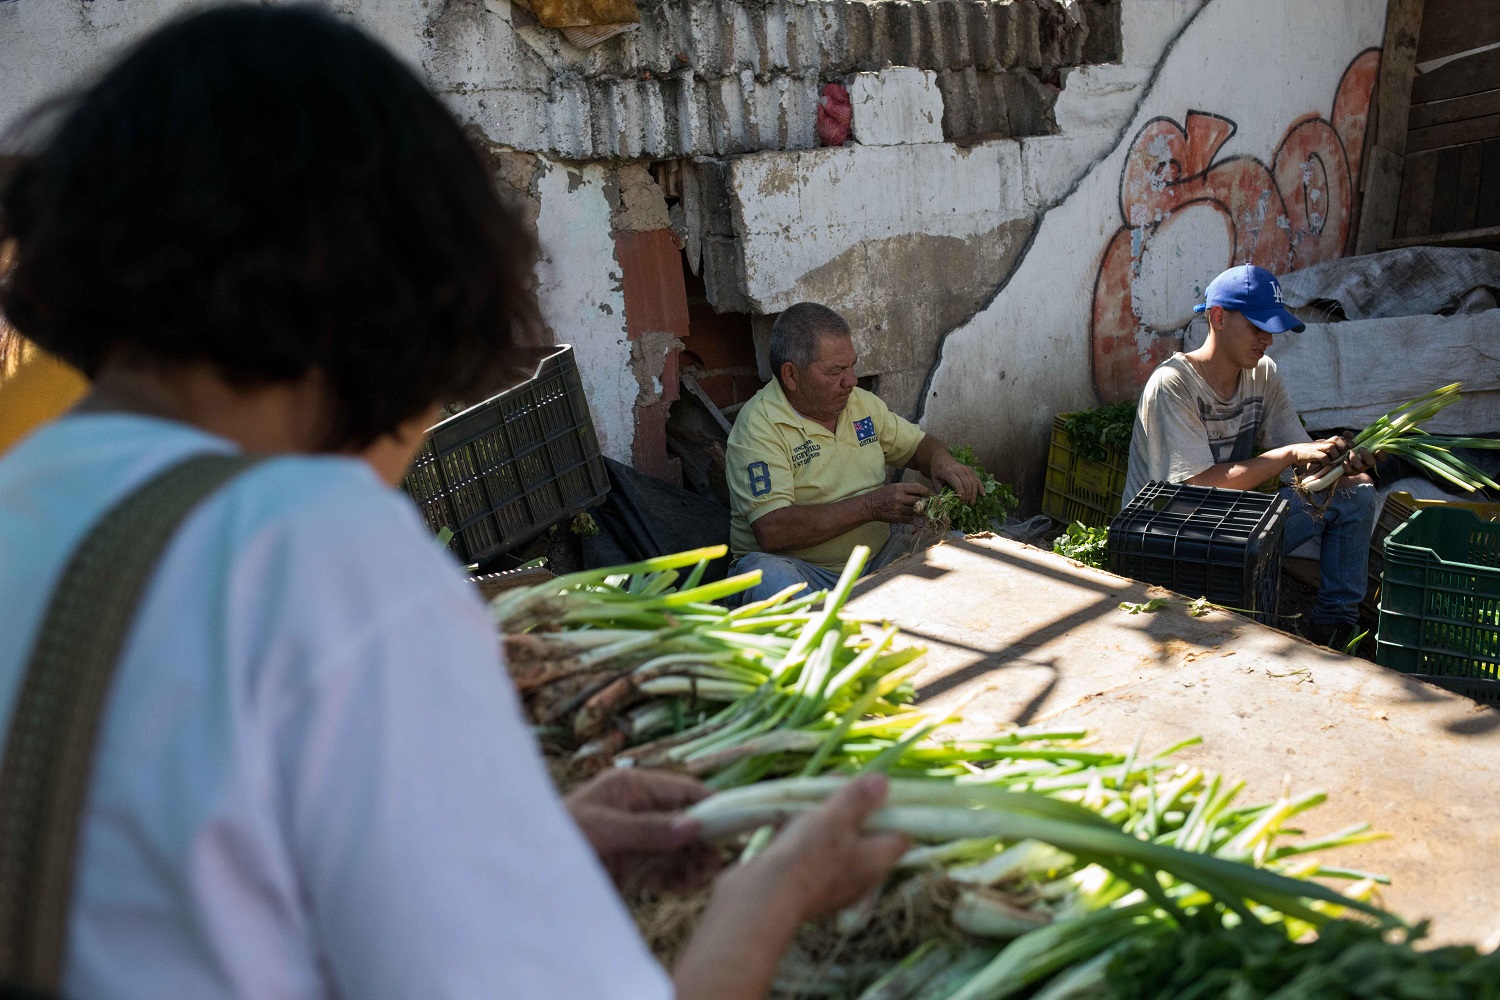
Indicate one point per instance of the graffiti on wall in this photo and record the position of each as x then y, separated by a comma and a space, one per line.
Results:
1185, 217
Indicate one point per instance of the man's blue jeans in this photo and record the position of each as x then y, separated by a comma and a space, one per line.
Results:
1346, 525
780, 572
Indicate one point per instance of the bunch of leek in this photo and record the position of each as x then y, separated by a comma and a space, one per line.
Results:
1399, 433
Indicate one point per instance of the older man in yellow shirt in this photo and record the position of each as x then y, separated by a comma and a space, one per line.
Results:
807, 462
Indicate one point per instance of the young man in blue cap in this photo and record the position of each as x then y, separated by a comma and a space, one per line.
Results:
1204, 415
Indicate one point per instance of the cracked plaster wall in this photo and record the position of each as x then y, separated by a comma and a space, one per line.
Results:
715, 77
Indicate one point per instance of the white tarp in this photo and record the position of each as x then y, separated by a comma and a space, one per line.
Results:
1347, 374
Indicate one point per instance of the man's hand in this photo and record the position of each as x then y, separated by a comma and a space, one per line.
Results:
964, 480
896, 503
632, 818
1309, 455
1356, 461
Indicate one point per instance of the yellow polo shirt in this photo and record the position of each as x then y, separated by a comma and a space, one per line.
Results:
777, 458
37, 388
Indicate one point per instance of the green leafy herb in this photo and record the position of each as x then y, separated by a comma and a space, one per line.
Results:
1095, 433
584, 524
945, 507
1089, 546
1349, 959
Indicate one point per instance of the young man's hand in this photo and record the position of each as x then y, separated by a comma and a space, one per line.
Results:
1355, 461
1309, 455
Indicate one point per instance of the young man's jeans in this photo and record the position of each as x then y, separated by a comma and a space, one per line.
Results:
1347, 523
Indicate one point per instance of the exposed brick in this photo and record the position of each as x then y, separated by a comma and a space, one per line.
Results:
651, 269
859, 32
953, 30
1028, 35
1103, 42
636, 200
649, 451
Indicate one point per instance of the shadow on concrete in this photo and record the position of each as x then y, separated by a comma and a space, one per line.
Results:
1012, 651
916, 565
1477, 724
1176, 637
1029, 711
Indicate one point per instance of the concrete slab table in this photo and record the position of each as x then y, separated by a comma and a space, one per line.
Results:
1026, 637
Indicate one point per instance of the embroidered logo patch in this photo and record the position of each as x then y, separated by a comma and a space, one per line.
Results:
805, 453
864, 430
760, 478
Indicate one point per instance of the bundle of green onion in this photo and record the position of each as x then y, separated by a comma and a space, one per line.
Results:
618, 657
1099, 851
1046, 855
1399, 433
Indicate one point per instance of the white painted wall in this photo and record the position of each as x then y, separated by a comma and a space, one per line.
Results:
48, 46
1026, 354
1264, 65
580, 289
798, 211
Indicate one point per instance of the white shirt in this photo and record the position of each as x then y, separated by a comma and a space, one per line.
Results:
313, 778
1183, 427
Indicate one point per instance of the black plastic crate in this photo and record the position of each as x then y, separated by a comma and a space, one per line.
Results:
502, 472
1224, 545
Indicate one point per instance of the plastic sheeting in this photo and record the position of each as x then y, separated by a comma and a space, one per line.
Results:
644, 517
1417, 281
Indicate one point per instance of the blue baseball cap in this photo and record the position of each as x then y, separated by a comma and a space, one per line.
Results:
1254, 293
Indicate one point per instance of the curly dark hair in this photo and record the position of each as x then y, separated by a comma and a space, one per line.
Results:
269, 190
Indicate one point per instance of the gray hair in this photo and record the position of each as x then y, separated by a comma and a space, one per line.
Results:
797, 331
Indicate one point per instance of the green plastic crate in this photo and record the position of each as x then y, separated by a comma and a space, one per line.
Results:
1079, 488
1398, 507
1440, 602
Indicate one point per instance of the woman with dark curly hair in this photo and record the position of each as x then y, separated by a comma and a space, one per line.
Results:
258, 233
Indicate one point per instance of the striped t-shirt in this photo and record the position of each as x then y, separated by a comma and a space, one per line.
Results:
1183, 427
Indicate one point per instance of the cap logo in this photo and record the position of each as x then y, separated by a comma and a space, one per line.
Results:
1276, 290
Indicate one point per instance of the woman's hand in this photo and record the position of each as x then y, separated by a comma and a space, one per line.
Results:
820, 863
825, 859
633, 819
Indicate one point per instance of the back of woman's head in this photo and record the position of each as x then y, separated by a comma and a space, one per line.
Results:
268, 190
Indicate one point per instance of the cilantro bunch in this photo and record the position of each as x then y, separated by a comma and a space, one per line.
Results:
994, 503
1089, 546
